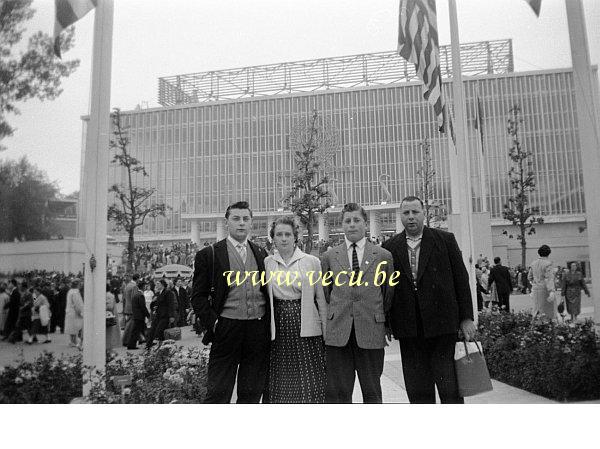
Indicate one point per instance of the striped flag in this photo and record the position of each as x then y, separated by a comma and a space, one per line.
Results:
418, 43
67, 13
535, 5
479, 120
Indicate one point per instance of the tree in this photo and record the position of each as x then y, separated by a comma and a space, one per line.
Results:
314, 141
522, 183
35, 73
133, 206
434, 209
24, 194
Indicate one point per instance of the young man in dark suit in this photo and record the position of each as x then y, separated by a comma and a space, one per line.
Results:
236, 316
432, 301
500, 275
183, 303
139, 313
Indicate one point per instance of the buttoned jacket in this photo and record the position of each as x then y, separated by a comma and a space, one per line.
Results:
306, 269
362, 306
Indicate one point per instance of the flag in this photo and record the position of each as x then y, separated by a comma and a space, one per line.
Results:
67, 13
535, 5
479, 120
418, 43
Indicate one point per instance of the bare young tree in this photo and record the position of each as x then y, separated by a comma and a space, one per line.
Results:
133, 205
434, 209
314, 141
522, 183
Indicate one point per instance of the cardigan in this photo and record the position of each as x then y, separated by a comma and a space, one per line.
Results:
313, 307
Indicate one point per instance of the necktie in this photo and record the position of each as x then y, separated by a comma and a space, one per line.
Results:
413, 261
355, 266
242, 250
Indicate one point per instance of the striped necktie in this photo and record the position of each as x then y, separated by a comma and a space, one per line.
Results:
355, 265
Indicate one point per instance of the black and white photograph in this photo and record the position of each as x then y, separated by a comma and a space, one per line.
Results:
285, 204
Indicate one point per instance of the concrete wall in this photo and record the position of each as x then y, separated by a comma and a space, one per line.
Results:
61, 255
565, 240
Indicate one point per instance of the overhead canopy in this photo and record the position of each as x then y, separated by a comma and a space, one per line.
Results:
173, 270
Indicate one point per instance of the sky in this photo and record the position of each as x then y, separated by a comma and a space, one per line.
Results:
153, 38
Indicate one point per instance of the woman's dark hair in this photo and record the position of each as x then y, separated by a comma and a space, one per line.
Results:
544, 251
287, 220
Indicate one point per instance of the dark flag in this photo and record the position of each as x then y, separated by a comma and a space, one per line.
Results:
479, 120
535, 5
67, 13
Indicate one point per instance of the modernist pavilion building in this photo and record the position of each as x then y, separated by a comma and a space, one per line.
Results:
224, 136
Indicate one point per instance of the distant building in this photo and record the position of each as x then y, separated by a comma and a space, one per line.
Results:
223, 136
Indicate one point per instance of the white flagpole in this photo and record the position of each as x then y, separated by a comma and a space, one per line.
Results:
482, 178
463, 161
586, 88
95, 183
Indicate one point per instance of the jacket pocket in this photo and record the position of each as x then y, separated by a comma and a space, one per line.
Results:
380, 317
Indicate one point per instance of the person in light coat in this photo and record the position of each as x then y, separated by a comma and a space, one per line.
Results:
74, 315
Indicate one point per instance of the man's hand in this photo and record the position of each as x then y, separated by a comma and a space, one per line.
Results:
468, 329
388, 334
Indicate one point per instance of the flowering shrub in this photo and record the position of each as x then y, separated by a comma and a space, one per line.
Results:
559, 361
47, 380
167, 374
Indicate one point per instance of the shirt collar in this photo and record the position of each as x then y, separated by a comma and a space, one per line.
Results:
298, 254
414, 239
235, 243
359, 245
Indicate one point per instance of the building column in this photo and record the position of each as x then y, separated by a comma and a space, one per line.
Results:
221, 233
323, 228
399, 225
195, 236
374, 224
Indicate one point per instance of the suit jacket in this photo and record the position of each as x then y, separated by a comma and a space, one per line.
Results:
165, 305
138, 306
182, 299
363, 306
208, 307
501, 276
442, 293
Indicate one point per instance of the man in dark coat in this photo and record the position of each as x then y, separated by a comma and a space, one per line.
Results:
13, 308
164, 314
236, 317
500, 276
183, 303
432, 302
139, 315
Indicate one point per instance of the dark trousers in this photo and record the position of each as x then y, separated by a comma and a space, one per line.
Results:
504, 301
157, 330
343, 362
428, 363
242, 347
139, 327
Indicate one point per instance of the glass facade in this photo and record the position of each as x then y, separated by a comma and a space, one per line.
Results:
202, 157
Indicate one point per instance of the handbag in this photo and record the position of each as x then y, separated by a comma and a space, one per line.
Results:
111, 320
45, 315
172, 333
472, 374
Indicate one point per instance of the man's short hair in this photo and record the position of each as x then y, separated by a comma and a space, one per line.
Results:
354, 207
163, 282
496, 260
410, 199
238, 205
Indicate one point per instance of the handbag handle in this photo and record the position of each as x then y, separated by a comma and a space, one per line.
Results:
467, 348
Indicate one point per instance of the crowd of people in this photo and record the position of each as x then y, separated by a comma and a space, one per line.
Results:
148, 258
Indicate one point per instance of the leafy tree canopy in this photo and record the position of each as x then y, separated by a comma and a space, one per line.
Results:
35, 72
